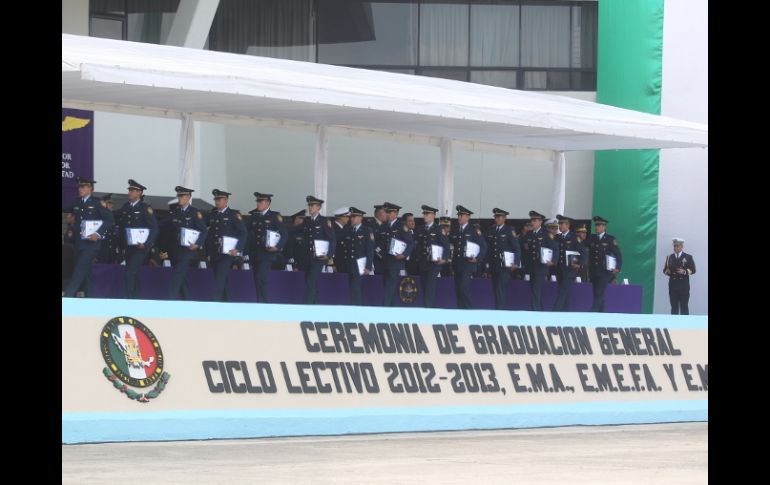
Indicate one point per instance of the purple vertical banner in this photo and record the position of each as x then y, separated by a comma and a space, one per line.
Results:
77, 151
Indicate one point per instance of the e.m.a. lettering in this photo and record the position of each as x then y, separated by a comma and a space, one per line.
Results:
359, 338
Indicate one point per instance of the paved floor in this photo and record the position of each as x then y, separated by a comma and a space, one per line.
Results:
640, 454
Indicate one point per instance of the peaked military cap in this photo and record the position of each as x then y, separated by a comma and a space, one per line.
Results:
261, 196
220, 193
581, 229
499, 212
183, 190
342, 211
107, 197
313, 200
552, 222
390, 207
356, 212
299, 214
678, 240
536, 215
562, 218
133, 184
445, 221
462, 210
600, 220
378, 207
427, 208
84, 181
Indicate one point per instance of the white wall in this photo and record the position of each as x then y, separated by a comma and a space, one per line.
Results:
139, 147
683, 189
362, 172
74, 17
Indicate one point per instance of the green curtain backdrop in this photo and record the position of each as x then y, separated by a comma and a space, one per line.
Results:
630, 68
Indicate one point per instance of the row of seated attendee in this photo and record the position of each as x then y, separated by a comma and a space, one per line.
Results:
387, 244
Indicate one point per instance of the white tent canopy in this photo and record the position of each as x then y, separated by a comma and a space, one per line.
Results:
155, 80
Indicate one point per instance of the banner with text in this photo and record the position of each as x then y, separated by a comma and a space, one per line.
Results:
298, 370
77, 151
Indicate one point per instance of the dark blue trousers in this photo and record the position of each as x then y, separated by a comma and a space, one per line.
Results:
84, 258
135, 258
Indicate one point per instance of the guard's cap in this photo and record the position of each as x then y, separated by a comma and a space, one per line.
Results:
462, 210
133, 184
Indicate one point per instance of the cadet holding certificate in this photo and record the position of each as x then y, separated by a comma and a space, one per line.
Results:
140, 230
605, 261
538, 262
359, 243
268, 236
93, 220
396, 243
188, 234
572, 257
466, 238
316, 228
227, 238
433, 253
503, 256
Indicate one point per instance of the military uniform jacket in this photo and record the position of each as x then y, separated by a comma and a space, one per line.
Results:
295, 247
533, 241
341, 252
139, 215
426, 238
320, 229
258, 226
172, 225
388, 232
460, 237
673, 263
569, 242
359, 243
497, 242
228, 222
599, 248
91, 210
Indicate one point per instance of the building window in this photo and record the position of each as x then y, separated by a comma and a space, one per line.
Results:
135, 20
517, 44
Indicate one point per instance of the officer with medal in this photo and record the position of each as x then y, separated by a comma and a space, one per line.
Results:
572, 257
341, 219
581, 235
679, 266
534, 241
445, 223
465, 266
261, 255
88, 213
224, 222
392, 264
135, 214
359, 243
376, 223
600, 246
316, 228
110, 252
183, 247
294, 251
501, 238
427, 236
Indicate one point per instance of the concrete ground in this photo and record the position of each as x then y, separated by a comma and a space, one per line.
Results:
636, 454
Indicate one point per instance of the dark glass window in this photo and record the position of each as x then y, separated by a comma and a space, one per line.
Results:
270, 28
367, 33
516, 44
